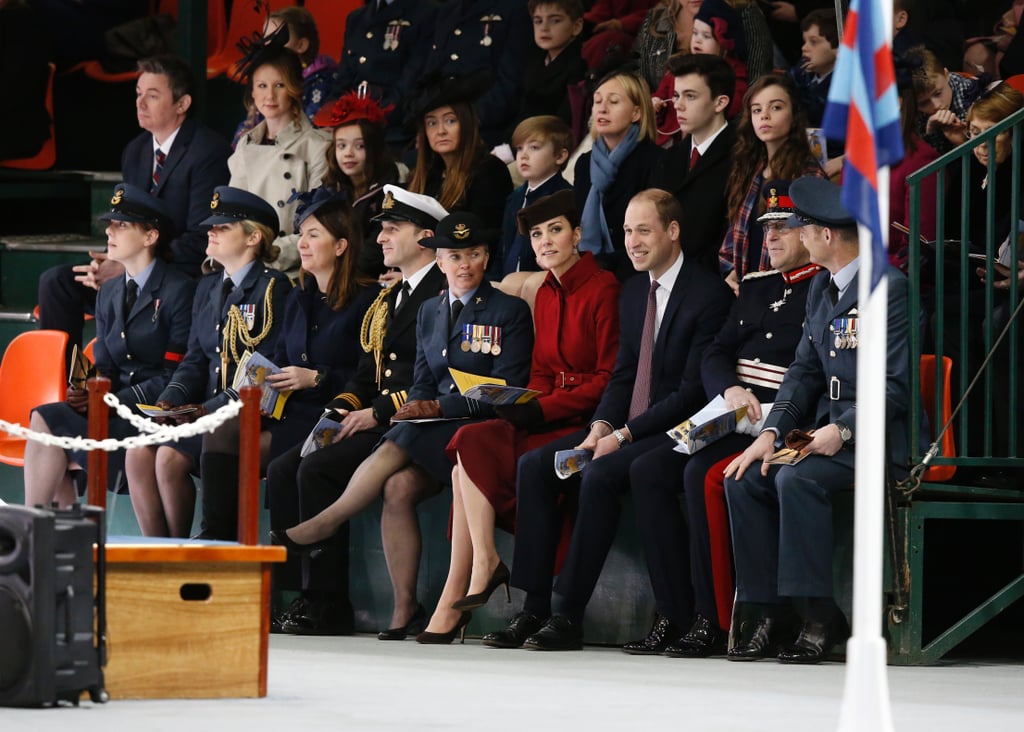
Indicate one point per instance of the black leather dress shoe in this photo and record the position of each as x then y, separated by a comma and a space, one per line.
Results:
416, 624
764, 641
321, 617
662, 633
816, 641
522, 626
703, 639
279, 617
558, 634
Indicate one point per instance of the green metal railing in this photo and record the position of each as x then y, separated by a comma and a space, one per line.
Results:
961, 315
951, 269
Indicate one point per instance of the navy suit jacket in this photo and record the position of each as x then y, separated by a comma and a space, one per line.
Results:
197, 163
701, 192
515, 253
820, 386
438, 347
139, 350
697, 308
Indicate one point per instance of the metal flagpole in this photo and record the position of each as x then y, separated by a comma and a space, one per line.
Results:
866, 703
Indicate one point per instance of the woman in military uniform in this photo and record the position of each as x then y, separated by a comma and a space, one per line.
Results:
142, 324
284, 154
473, 328
235, 310
576, 317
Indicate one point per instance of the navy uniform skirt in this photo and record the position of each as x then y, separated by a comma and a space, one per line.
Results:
64, 421
425, 444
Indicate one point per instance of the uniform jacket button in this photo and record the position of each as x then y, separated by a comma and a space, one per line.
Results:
304, 357
393, 356
387, 372
280, 204
128, 356
287, 175
385, 392
369, 34
458, 31
455, 57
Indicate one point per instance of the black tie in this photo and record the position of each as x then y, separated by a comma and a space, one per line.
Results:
456, 310
225, 290
403, 295
833, 292
131, 294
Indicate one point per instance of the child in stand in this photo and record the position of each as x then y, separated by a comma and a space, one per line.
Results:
813, 75
943, 99
555, 62
542, 147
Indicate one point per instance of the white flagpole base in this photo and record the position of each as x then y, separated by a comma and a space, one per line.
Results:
866, 694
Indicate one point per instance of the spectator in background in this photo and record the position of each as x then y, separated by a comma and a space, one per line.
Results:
554, 62
813, 75
624, 160
903, 37
771, 143
784, 23
759, 38
488, 38
542, 146
610, 24
696, 170
358, 162
718, 30
284, 155
177, 159
943, 99
318, 70
452, 164
385, 44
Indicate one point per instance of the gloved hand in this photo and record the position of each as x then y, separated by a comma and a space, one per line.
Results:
418, 409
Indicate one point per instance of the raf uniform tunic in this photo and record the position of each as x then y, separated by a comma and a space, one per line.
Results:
438, 347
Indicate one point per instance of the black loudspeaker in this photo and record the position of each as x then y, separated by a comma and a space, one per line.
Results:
51, 624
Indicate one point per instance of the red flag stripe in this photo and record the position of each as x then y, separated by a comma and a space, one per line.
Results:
860, 147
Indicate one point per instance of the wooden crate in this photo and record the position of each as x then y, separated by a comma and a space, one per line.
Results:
188, 621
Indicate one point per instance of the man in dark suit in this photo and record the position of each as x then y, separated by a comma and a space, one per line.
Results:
668, 316
176, 159
782, 516
385, 44
299, 487
696, 170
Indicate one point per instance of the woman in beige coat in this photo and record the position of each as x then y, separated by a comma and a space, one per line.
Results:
284, 154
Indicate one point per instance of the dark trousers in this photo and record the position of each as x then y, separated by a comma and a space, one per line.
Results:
782, 528
696, 470
299, 488
602, 484
63, 303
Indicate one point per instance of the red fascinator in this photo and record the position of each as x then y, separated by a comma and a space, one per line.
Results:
351, 107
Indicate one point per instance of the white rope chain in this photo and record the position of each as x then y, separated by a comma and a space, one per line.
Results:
157, 433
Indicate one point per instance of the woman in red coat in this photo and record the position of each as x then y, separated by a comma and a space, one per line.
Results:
576, 318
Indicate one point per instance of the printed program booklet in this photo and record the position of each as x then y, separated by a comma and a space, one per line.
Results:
490, 390
253, 370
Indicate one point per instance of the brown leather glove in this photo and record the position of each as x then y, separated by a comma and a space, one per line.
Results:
78, 399
418, 409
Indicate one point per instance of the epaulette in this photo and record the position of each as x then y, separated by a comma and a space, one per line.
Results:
759, 274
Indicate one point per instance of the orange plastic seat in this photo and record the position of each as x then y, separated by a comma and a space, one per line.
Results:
87, 316
947, 448
47, 155
87, 351
31, 374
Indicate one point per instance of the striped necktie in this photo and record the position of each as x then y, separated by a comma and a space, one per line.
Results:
159, 157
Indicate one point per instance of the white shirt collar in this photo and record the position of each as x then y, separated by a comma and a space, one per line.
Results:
417, 277
845, 276
166, 144
703, 147
665, 284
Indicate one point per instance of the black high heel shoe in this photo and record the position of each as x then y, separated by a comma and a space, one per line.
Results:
498, 578
441, 639
281, 538
416, 624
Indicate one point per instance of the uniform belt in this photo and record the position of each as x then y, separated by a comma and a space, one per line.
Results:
571, 379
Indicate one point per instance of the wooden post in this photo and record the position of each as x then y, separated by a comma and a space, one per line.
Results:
249, 467
98, 430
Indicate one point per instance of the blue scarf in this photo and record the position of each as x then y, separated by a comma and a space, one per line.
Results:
604, 167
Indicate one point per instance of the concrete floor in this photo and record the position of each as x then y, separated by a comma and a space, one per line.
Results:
360, 683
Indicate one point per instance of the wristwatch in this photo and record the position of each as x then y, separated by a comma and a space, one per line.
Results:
845, 433
623, 440
318, 378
